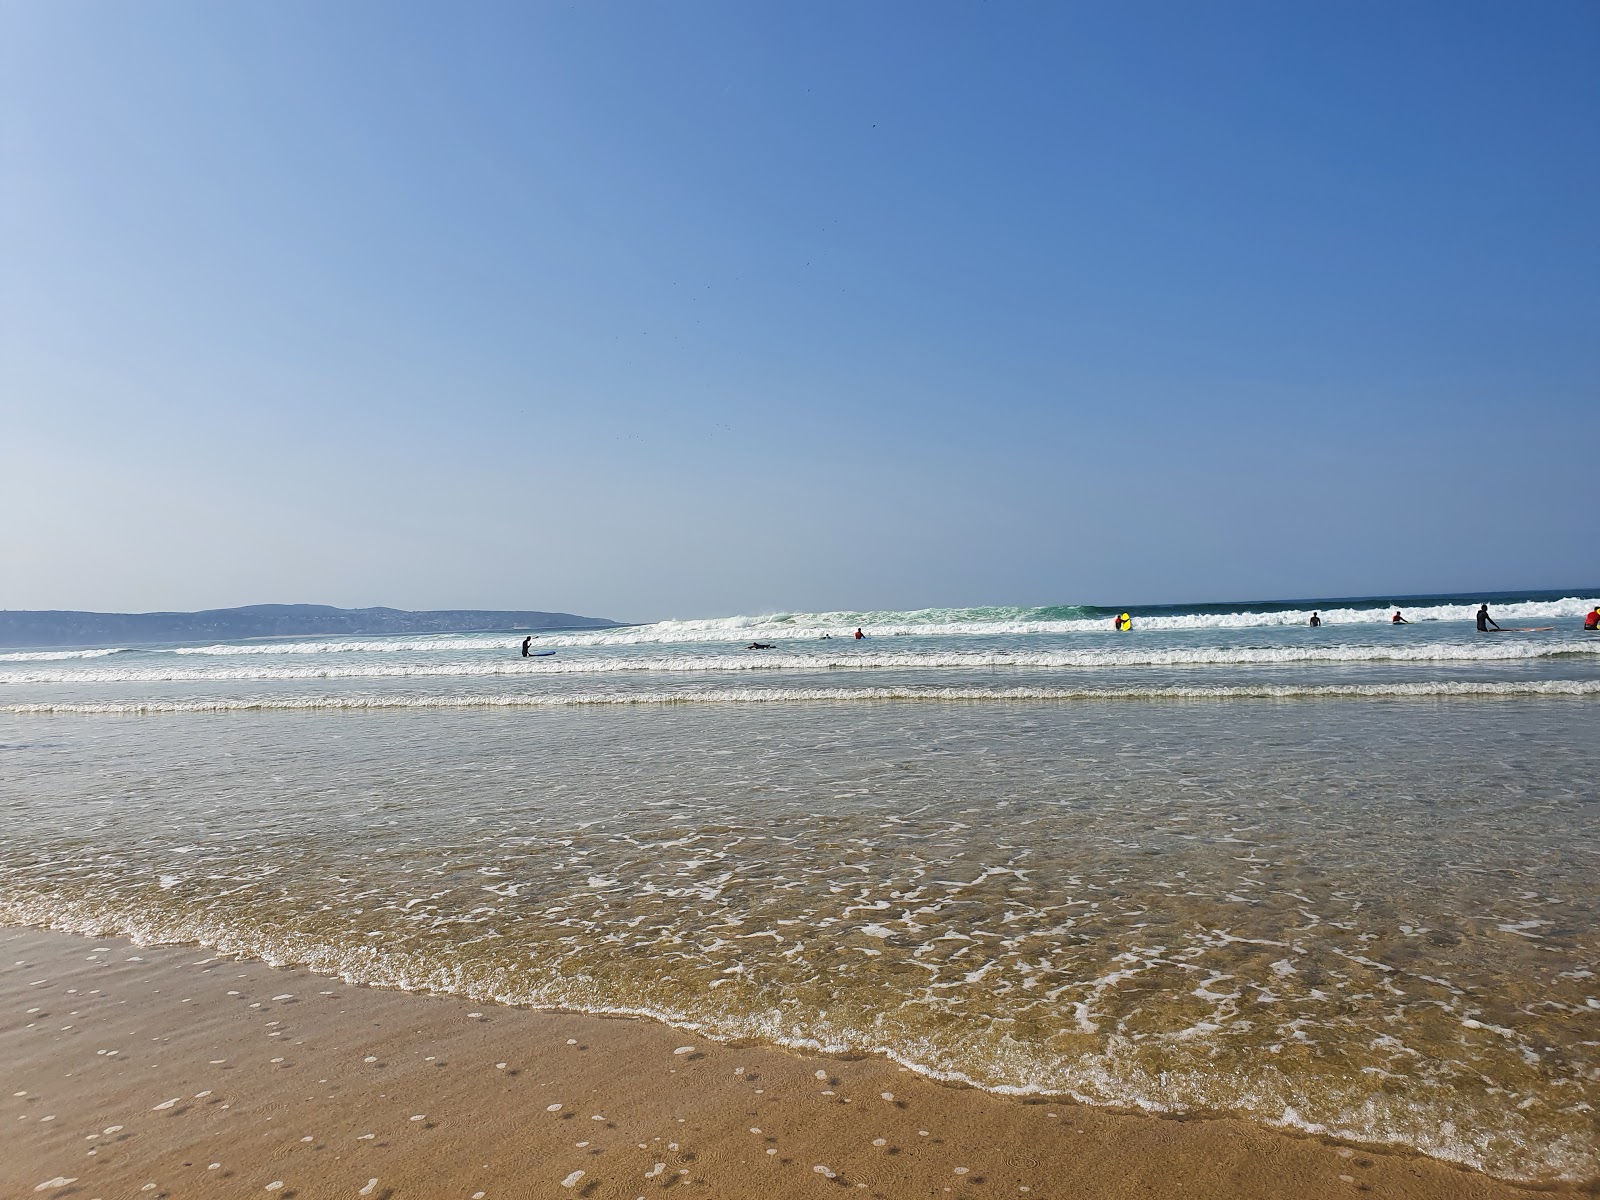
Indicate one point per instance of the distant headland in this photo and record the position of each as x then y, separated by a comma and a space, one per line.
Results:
62, 628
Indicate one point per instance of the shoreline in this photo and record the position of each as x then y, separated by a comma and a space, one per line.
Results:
160, 1070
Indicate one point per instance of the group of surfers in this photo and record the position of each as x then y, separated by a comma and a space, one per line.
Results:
1123, 622
827, 637
1486, 623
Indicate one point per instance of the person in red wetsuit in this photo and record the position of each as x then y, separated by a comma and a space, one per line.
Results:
1397, 619
859, 635
1592, 621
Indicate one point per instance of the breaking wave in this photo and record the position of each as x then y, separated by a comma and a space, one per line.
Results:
986, 621
1363, 691
361, 646
958, 622
1490, 650
57, 655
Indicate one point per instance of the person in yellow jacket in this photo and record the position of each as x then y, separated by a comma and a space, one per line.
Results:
1122, 623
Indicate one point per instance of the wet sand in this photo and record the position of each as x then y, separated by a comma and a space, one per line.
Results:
168, 1072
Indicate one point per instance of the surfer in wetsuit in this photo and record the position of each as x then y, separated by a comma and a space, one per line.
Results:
1122, 623
859, 635
525, 643
1485, 620
1315, 620
1397, 619
1591, 622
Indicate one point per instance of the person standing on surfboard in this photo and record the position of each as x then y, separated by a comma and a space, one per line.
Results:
1485, 620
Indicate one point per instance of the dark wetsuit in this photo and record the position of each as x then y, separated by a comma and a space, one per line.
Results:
525, 642
1485, 620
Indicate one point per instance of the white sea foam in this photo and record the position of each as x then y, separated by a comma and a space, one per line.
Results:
811, 626
455, 642
1504, 649
1109, 1077
1369, 691
57, 655
968, 622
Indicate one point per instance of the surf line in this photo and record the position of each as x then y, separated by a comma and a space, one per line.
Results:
1495, 689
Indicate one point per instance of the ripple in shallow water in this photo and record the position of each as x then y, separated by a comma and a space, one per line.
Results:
1372, 920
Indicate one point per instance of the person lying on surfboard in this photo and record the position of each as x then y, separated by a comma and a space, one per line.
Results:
1485, 620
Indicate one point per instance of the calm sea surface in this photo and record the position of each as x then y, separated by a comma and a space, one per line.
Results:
1341, 879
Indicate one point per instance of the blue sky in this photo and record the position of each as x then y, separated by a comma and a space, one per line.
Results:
688, 309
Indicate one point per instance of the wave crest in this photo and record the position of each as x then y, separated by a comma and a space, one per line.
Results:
58, 655
1490, 650
1356, 691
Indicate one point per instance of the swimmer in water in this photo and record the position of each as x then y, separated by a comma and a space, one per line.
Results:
1315, 620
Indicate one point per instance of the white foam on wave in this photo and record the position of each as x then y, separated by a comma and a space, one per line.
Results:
993, 622
363, 646
1367, 691
812, 626
1504, 649
1098, 1079
57, 655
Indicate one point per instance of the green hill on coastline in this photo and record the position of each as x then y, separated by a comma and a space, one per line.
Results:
65, 628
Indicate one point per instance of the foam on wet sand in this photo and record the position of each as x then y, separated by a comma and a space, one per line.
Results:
441, 1097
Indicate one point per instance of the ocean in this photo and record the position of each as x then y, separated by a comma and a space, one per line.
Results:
1338, 879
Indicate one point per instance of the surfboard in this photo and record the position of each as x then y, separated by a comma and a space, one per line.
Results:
538, 654
1522, 629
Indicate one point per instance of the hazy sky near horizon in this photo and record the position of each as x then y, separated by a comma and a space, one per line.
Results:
688, 309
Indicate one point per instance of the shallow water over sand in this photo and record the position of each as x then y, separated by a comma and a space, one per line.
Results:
1372, 917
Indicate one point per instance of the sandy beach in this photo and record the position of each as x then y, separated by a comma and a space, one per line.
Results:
167, 1071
